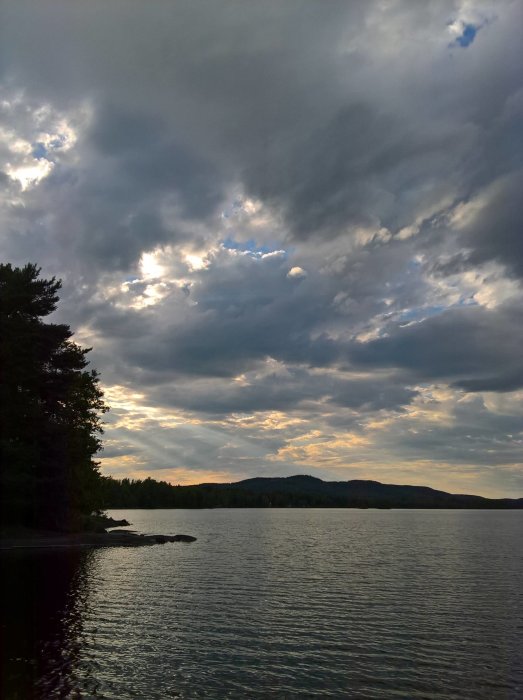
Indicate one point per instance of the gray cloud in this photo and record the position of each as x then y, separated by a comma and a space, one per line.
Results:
360, 142
471, 347
334, 130
496, 233
294, 389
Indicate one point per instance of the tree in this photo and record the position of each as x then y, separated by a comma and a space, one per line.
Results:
50, 408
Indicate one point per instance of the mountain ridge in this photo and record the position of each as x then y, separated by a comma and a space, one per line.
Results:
299, 490
361, 486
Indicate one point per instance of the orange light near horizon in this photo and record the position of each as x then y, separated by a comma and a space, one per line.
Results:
177, 476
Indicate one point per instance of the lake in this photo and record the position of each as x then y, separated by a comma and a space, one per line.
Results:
283, 603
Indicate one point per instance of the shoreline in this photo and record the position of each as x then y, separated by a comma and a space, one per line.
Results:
114, 538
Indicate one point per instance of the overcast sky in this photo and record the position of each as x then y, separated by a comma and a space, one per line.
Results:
291, 231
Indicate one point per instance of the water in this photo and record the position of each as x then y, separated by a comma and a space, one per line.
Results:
276, 603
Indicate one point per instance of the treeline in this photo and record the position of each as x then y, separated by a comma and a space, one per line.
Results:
289, 492
148, 493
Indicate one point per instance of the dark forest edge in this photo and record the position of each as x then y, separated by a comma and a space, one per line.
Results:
290, 492
51, 408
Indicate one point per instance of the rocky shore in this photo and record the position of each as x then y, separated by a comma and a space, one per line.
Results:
38, 539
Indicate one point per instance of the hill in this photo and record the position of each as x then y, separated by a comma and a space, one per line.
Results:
298, 491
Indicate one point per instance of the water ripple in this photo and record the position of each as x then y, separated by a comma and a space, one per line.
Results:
296, 604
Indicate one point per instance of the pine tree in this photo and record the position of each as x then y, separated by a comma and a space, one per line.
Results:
50, 408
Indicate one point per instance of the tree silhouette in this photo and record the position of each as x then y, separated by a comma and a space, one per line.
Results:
50, 408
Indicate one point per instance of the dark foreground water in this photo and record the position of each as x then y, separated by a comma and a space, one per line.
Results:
274, 603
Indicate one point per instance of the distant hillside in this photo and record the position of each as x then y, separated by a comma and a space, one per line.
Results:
289, 492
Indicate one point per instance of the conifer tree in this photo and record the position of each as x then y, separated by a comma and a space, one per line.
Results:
50, 408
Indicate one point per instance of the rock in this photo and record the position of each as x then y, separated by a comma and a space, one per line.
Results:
131, 538
183, 538
162, 539
111, 522
116, 538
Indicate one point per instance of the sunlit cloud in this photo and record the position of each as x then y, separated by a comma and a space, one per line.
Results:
297, 273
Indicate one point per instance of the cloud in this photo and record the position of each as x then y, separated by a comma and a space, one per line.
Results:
297, 272
465, 33
470, 347
490, 224
278, 214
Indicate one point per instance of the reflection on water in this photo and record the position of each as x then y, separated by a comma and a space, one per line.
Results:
274, 604
44, 598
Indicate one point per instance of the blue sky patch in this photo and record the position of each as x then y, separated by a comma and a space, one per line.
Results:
468, 36
249, 246
423, 312
39, 150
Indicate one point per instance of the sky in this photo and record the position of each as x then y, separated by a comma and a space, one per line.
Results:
290, 231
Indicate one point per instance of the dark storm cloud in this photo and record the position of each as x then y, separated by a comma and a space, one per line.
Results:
116, 131
293, 389
497, 232
289, 97
379, 148
472, 347
360, 168
238, 313
105, 217
149, 161
243, 309
237, 323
